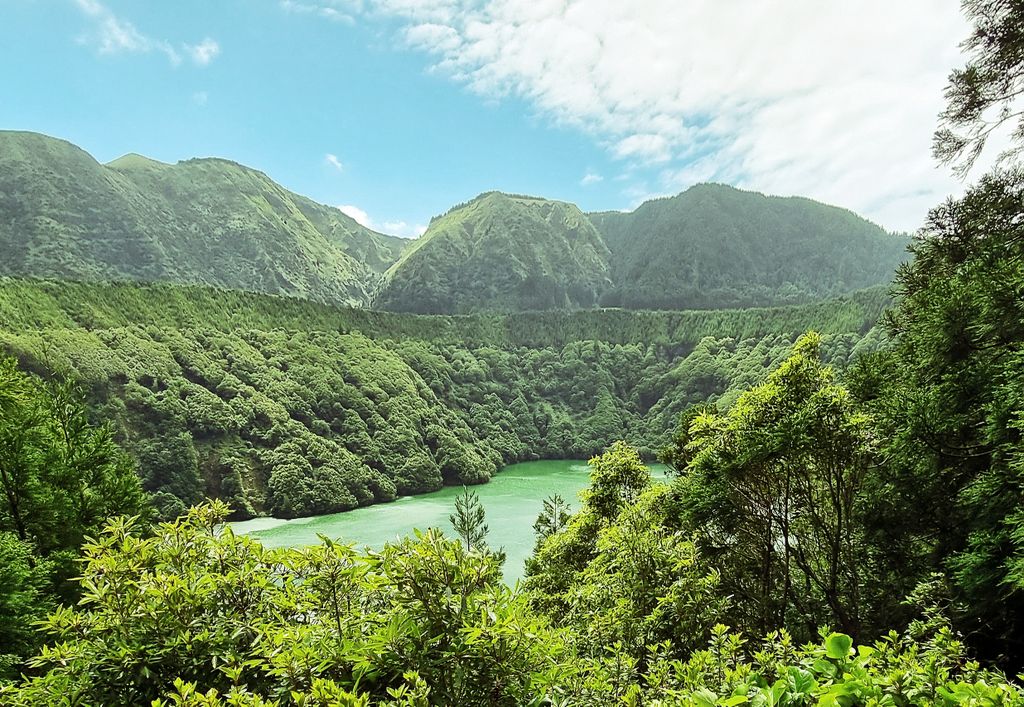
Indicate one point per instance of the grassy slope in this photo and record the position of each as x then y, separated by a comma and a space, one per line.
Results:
500, 252
209, 221
715, 246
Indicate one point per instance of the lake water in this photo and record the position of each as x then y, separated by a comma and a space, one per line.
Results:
512, 500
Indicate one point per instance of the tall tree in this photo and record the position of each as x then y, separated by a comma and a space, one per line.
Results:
773, 490
985, 93
468, 520
553, 517
60, 479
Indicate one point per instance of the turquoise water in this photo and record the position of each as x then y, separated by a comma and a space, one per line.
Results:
512, 500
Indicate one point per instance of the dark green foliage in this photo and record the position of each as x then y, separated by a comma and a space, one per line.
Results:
280, 406
210, 221
949, 403
468, 520
984, 95
60, 479
715, 247
25, 597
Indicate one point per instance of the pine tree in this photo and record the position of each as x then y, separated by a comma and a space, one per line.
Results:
553, 517
468, 520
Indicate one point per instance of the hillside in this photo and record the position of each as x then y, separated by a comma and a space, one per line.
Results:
500, 252
715, 246
201, 221
214, 222
286, 406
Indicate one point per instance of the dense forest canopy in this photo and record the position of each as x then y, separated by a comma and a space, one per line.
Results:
296, 409
842, 524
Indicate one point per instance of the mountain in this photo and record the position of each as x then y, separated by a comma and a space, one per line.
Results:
714, 246
214, 222
500, 252
201, 221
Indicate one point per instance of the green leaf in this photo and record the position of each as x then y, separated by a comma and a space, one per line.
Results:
838, 645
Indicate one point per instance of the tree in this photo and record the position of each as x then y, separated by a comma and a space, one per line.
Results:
949, 402
468, 520
617, 478
774, 493
60, 478
552, 519
985, 94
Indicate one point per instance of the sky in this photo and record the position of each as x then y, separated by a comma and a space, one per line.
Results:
395, 110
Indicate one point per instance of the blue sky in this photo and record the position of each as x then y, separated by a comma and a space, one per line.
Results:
397, 109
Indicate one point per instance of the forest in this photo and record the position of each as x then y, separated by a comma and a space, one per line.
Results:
842, 523
295, 409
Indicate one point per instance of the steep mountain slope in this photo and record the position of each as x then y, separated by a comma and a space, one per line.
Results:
715, 246
203, 221
286, 406
500, 252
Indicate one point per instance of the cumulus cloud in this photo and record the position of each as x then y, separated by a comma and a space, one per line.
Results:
333, 161
401, 229
591, 178
836, 101
111, 34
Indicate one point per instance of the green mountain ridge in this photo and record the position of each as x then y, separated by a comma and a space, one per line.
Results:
717, 246
500, 252
200, 221
214, 222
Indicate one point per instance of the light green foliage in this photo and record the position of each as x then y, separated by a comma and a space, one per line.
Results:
645, 584
617, 573
715, 246
774, 490
196, 615
617, 478
896, 670
208, 221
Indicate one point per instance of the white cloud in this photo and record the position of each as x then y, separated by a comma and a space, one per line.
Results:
591, 178
837, 101
357, 214
401, 229
200, 98
111, 34
336, 11
333, 161
204, 52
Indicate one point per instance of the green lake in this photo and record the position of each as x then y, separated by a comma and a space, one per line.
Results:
512, 501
